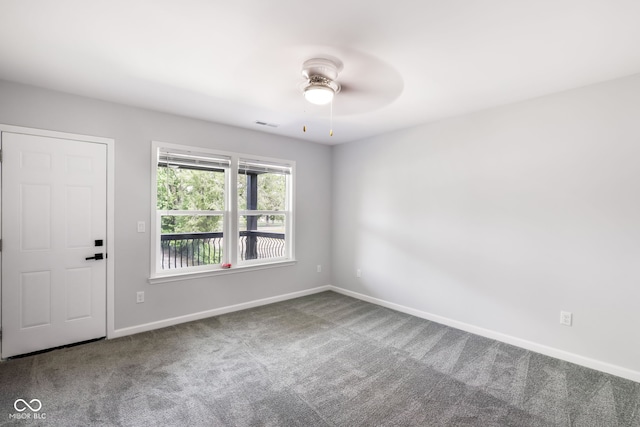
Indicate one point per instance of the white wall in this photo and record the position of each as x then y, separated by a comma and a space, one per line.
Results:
133, 130
502, 218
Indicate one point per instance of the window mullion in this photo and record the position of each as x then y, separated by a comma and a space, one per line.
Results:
155, 219
263, 212
289, 218
186, 212
231, 239
157, 245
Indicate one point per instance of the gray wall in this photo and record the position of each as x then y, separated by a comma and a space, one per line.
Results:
502, 218
133, 130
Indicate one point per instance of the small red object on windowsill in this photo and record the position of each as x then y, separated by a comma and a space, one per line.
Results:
226, 265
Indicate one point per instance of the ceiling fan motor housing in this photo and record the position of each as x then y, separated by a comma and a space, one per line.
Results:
321, 72
321, 67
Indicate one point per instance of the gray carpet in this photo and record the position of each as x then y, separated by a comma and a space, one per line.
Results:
321, 360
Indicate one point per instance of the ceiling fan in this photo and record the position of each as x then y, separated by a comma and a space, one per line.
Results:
320, 74
320, 86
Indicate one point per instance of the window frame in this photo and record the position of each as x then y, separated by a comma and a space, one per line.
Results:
231, 218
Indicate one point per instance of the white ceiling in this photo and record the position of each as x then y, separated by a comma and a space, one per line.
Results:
405, 62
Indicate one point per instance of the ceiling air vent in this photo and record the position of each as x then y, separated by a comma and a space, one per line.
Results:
271, 125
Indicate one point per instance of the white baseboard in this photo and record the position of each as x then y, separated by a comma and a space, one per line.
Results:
215, 312
498, 336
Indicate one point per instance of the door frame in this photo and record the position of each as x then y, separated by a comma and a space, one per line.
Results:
110, 246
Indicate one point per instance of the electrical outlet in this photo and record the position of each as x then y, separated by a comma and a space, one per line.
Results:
139, 297
319, 268
358, 273
141, 227
566, 318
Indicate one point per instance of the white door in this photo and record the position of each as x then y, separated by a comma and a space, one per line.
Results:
53, 221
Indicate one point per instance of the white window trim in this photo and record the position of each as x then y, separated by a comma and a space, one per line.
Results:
231, 216
219, 272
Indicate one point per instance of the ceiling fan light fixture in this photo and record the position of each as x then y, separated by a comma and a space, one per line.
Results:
318, 94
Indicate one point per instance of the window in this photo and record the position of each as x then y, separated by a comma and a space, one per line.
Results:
214, 208
263, 209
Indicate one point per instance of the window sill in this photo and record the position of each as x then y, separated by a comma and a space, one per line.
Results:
178, 277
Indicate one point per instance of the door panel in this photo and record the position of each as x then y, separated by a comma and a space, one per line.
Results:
78, 293
35, 299
53, 210
35, 217
79, 217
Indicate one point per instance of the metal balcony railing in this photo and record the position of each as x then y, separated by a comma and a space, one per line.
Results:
181, 250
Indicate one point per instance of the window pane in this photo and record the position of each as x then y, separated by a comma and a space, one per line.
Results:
270, 191
189, 189
242, 191
190, 223
261, 237
191, 240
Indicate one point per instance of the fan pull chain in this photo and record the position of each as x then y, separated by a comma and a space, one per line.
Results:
331, 119
304, 127
304, 112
